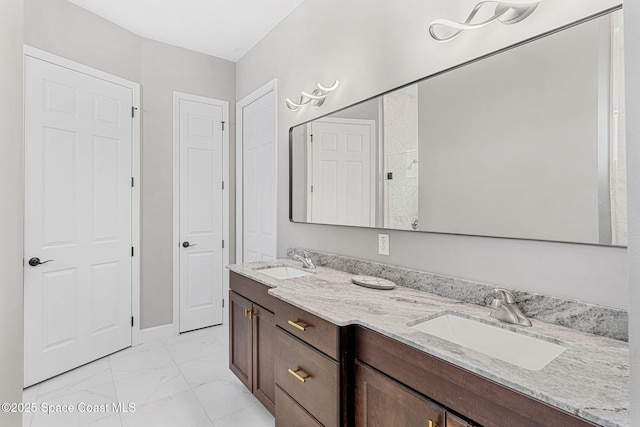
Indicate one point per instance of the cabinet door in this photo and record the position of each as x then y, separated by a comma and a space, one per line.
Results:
381, 401
264, 385
240, 339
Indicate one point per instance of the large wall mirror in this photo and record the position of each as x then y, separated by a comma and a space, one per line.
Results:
527, 143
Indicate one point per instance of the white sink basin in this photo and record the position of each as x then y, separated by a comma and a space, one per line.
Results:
522, 350
283, 272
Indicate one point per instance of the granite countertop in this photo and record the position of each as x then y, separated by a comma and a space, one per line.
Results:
589, 379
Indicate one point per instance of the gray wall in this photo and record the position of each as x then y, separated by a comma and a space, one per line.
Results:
11, 212
367, 110
508, 145
632, 61
67, 30
64, 29
371, 50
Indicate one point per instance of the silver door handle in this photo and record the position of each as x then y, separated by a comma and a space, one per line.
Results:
188, 245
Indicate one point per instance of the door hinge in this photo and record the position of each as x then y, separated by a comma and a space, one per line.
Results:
223, 126
223, 244
132, 321
222, 302
311, 137
223, 185
132, 182
131, 250
312, 188
133, 111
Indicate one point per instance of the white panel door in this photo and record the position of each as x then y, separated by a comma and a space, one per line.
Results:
201, 207
259, 180
78, 140
342, 168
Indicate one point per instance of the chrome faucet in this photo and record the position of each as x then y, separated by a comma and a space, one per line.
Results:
306, 260
506, 309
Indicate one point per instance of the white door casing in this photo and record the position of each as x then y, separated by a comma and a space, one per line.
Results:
200, 123
259, 183
79, 214
256, 175
342, 171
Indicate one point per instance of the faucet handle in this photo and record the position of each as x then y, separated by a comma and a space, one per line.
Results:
496, 303
505, 296
305, 254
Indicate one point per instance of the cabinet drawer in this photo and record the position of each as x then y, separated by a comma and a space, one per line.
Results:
255, 291
290, 414
309, 377
311, 329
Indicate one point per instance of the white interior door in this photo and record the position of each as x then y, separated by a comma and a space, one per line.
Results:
342, 189
200, 139
78, 222
259, 180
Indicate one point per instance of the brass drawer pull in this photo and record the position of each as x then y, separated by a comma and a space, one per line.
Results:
432, 424
298, 325
302, 377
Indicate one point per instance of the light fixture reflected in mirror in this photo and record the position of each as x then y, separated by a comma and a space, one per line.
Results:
315, 98
506, 13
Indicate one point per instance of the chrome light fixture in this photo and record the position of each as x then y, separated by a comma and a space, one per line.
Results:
315, 98
506, 13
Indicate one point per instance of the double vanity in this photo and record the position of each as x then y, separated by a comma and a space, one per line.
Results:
317, 349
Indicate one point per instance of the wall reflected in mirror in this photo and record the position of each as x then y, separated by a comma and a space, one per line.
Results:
527, 143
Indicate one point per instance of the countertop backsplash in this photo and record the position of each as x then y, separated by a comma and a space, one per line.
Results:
591, 318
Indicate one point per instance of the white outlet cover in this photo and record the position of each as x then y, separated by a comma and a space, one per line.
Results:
383, 244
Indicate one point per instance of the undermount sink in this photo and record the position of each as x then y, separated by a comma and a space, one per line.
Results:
283, 272
516, 348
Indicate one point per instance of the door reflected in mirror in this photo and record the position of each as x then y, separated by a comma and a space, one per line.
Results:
527, 143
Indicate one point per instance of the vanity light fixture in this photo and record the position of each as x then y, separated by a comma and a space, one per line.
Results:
504, 12
315, 98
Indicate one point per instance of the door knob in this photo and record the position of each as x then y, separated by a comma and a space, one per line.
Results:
186, 244
35, 261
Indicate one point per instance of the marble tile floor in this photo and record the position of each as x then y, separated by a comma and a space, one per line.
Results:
182, 381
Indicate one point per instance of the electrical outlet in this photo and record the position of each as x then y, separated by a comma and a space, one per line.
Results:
383, 244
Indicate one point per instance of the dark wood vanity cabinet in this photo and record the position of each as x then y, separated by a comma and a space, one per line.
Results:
478, 399
252, 338
309, 372
301, 354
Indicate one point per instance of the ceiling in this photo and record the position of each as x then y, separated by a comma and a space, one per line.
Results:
223, 28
